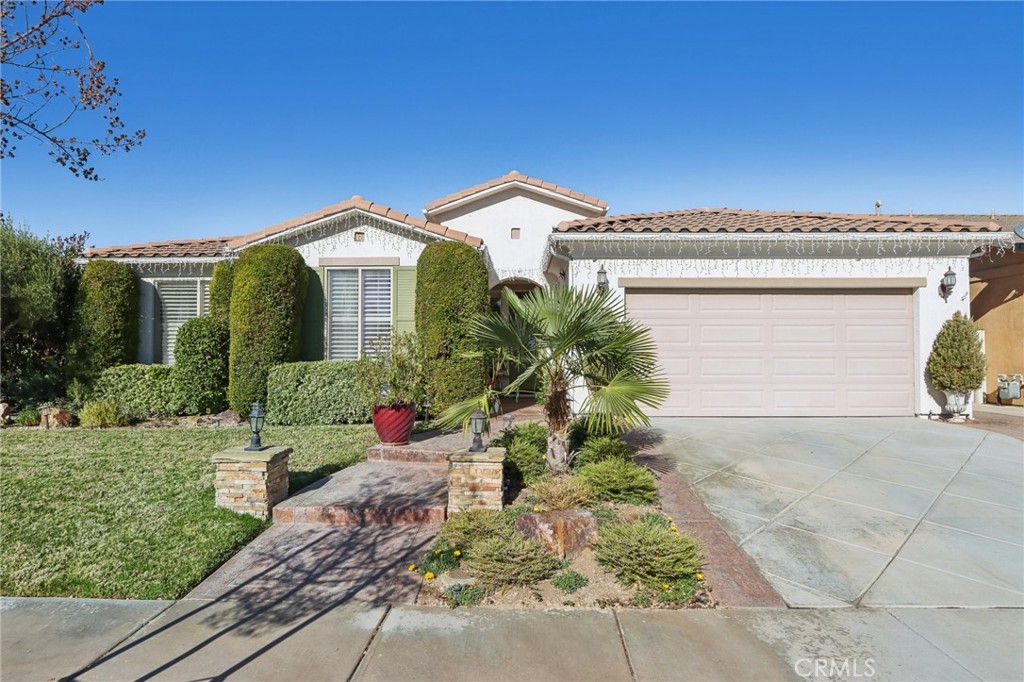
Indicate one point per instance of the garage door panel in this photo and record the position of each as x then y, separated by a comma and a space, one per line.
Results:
781, 353
803, 367
803, 334
731, 334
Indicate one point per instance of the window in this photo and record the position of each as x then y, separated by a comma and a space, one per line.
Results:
516, 232
358, 311
179, 300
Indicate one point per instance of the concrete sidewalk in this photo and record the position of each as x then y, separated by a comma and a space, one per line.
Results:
45, 639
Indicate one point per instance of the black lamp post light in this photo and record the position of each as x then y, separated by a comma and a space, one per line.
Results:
602, 280
948, 282
477, 422
256, 420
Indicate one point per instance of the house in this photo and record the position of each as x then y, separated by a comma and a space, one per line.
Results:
755, 313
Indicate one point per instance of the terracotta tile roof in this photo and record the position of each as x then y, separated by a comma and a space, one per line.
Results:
707, 220
1005, 221
516, 176
361, 204
223, 246
179, 248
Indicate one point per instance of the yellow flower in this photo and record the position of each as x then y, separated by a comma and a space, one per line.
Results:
437, 551
668, 517
428, 575
457, 553
673, 527
700, 576
536, 509
412, 567
664, 586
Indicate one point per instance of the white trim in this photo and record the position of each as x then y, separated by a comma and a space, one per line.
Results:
141, 260
484, 193
298, 229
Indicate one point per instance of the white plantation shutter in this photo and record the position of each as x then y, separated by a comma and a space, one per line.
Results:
204, 297
358, 311
179, 302
343, 314
376, 307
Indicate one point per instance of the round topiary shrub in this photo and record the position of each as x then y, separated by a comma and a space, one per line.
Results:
451, 289
268, 290
106, 327
220, 289
956, 362
201, 364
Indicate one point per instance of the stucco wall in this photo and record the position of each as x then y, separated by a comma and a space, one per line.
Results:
997, 303
379, 241
930, 309
493, 218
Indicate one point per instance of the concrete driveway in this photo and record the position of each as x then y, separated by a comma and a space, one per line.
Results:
864, 511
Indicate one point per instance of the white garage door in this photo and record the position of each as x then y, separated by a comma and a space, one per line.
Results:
782, 353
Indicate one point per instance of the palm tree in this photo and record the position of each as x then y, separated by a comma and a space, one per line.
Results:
569, 340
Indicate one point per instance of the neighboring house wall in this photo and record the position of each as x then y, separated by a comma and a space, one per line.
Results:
930, 309
494, 217
997, 305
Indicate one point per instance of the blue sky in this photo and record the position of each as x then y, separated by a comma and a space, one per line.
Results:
258, 112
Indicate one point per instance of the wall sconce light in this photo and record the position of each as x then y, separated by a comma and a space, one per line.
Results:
947, 284
477, 421
256, 420
602, 280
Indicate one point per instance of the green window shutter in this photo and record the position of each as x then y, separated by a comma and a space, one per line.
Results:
404, 299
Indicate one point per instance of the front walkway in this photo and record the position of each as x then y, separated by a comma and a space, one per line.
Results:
867, 512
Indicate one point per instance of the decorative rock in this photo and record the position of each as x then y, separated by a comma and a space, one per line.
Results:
5, 412
563, 533
457, 577
54, 418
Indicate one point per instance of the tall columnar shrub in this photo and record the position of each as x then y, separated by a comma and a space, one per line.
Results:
220, 289
38, 283
106, 319
268, 290
956, 362
451, 289
201, 364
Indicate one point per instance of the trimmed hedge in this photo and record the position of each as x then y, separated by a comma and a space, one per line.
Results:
106, 319
142, 391
220, 289
267, 296
451, 288
201, 364
313, 393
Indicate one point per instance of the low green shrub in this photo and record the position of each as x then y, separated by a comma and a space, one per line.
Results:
604, 515
28, 417
532, 432
562, 492
465, 595
600, 448
646, 554
570, 581
314, 393
464, 529
525, 460
142, 391
201, 364
506, 560
678, 592
619, 481
101, 413
655, 519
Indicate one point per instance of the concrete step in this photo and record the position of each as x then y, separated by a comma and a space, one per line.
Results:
372, 493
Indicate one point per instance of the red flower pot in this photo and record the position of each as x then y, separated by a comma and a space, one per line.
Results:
393, 423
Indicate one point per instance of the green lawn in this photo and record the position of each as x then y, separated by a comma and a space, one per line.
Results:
128, 513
